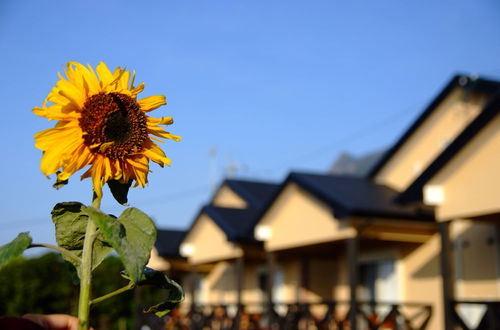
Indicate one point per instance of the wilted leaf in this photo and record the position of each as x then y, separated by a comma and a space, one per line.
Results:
71, 224
132, 236
119, 190
173, 291
14, 248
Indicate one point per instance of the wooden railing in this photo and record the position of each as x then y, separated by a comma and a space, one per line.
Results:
487, 315
327, 315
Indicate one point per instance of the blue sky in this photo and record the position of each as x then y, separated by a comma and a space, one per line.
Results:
272, 86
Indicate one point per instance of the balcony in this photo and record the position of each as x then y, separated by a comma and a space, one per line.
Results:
331, 315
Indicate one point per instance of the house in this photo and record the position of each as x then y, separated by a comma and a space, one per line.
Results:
343, 239
444, 132
225, 257
463, 186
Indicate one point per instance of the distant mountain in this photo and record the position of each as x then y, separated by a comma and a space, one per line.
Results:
359, 166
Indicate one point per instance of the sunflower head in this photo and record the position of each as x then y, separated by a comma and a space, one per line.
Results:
101, 124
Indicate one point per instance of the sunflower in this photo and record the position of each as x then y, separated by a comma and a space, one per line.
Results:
101, 123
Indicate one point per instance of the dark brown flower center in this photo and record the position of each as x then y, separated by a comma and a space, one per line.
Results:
114, 125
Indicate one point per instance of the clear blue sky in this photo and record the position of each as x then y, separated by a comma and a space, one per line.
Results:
272, 85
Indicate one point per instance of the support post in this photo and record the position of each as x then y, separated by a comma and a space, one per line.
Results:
447, 274
192, 287
304, 280
271, 268
352, 260
239, 268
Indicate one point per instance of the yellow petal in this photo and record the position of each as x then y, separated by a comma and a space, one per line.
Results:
152, 102
104, 74
71, 92
137, 90
160, 121
55, 157
140, 169
57, 137
82, 158
156, 154
106, 169
97, 174
55, 112
164, 134
123, 80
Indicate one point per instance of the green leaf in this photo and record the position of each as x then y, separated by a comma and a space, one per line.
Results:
119, 190
174, 293
71, 223
132, 236
14, 248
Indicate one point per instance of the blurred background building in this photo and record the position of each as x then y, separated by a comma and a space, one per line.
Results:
405, 239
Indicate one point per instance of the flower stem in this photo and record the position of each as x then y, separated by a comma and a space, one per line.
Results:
86, 270
129, 286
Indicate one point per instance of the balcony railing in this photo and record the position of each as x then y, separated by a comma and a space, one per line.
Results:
476, 315
327, 315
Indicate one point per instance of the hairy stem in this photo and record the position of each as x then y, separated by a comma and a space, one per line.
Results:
86, 270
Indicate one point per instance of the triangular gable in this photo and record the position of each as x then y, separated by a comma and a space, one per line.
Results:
227, 197
297, 218
256, 193
466, 175
310, 209
207, 242
444, 119
241, 194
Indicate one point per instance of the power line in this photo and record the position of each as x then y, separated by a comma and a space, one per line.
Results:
175, 196
357, 135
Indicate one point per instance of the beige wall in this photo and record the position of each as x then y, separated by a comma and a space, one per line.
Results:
209, 242
226, 197
421, 278
321, 277
471, 180
219, 286
476, 260
297, 218
446, 122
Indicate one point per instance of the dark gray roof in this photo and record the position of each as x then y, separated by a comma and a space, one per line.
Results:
237, 224
168, 242
355, 196
255, 193
486, 86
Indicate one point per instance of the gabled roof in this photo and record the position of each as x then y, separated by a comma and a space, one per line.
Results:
237, 224
255, 193
168, 242
414, 191
489, 87
356, 196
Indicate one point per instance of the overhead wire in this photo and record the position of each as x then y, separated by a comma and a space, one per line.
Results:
358, 134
